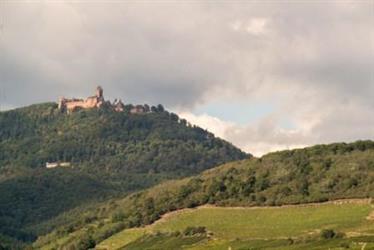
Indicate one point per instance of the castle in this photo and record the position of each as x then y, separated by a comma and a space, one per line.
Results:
96, 101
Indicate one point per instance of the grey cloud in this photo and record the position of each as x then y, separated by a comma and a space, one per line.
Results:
183, 54
188, 49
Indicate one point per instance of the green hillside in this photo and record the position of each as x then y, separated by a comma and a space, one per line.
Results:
111, 155
289, 227
316, 174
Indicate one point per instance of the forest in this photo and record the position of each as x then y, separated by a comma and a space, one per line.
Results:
111, 154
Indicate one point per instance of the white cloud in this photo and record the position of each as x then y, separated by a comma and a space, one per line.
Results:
237, 25
213, 124
258, 138
315, 59
336, 123
256, 26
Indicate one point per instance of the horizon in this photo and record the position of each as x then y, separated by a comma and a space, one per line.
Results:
263, 76
181, 117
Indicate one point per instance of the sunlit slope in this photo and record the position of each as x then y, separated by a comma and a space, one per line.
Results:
316, 174
270, 222
251, 226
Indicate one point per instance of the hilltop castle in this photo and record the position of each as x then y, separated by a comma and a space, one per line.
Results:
96, 101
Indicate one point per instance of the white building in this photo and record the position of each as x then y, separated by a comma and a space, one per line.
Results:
57, 164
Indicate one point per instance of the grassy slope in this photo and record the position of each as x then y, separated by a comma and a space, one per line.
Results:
236, 226
319, 173
231, 223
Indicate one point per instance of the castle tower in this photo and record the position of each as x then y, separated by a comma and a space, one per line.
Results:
99, 92
61, 103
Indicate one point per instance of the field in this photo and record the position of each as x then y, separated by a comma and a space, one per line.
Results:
288, 227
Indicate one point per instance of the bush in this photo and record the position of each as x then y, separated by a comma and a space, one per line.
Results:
328, 234
339, 235
118, 216
290, 241
190, 231
344, 245
86, 243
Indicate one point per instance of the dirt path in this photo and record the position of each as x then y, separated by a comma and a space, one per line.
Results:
371, 216
363, 246
337, 202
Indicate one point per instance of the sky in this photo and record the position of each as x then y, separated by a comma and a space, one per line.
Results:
264, 75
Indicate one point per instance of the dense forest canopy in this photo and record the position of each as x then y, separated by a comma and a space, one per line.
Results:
112, 141
110, 153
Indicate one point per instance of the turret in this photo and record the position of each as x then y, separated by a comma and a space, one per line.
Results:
61, 103
99, 92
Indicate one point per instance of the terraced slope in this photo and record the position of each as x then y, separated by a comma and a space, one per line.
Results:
287, 227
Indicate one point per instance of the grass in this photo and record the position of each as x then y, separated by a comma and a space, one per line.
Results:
316, 244
163, 242
231, 223
122, 238
259, 228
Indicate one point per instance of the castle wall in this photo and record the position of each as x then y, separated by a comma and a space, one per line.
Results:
96, 101
91, 102
71, 105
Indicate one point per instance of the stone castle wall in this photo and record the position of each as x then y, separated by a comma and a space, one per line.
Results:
97, 101
71, 105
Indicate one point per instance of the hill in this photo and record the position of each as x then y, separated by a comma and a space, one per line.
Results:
287, 227
316, 174
110, 154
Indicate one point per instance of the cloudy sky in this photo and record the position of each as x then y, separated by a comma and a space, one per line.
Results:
265, 75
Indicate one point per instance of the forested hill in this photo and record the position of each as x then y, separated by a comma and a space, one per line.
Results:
113, 142
111, 153
315, 174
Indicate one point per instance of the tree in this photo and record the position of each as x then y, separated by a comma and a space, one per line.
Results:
174, 117
183, 122
160, 108
153, 109
86, 243
146, 108
118, 216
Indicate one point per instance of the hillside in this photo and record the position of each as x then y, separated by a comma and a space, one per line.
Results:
111, 154
287, 227
316, 174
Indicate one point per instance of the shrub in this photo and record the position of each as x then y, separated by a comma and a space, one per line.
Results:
328, 234
190, 231
118, 216
86, 243
344, 245
339, 235
290, 241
